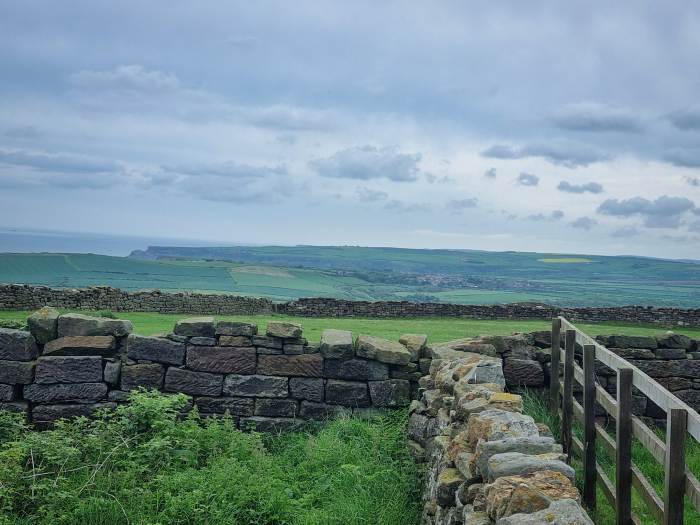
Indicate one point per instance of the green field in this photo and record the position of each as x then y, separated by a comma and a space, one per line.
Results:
438, 329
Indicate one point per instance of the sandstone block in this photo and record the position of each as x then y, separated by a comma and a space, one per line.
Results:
235, 340
236, 406
523, 372
97, 345
276, 407
356, 369
235, 328
311, 389
79, 324
390, 393
268, 342
17, 345
155, 349
562, 511
145, 375
221, 359
337, 344
415, 343
448, 481
68, 369
17, 372
195, 327
627, 341
256, 386
43, 324
307, 365
382, 350
293, 349
65, 393
283, 330
193, 383
518, 464
347, 393
533, 445
499, 424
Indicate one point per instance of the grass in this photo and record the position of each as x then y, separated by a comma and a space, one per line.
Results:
536, 406
142, 464
438, 329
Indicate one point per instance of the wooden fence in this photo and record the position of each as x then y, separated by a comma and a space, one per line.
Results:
681, 420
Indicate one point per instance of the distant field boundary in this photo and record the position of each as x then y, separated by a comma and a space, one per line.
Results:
27, 297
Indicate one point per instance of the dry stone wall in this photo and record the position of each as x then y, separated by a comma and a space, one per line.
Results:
27, 297
72, 364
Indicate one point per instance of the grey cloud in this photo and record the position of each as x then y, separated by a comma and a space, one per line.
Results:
553, 216
693, 181
227, 169
23, 132
663, 212
583, 223
625, 231
567, 154
686, 119
527, 179
368, 162
490, 173
590, 187
405, 207
694, 227
594, 117
369, 195
462, 204
57, 162
683, 157
131, 77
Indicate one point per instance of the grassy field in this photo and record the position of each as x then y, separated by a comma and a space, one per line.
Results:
535, 406
141, 465
438, 329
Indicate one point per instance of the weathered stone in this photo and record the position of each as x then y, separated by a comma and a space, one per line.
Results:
79, 324
195, 327
145, 375
675, 368
671, 340
276, 407
236, 406
65, 393
311, 389
474, 517
234, 328
355, 369
499, 424
634, 353
337, 344
273, 425
465, 464
155, 349
17, 345
474, 390
202, 341
559, 512
487, 372
268, 342
517, 464
111, 372
526, 445
510, 495
691, 397
321, 411
627, 341
43, 324
408, 372
173, 337
48, 413
424, 365
347, 393
17, 372
97, 345
7, 392
670, 353
390, 393
256, 386
456, 349
283, 330
221, 359
523, 372
382, 350
193, 383
492, 400
448, 481
15, 406
294, 349
306, 365
235, 340
416, 451
68, 369
542, 338
415, 343
417, 425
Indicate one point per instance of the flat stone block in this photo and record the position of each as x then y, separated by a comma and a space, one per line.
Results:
202, 341
283, 330
256, 386
337, 344
7, 393
195, 327
17, 345
68, 369
382, 350
222, 359
356, 369
100, 345
79, 324
17, 372
111, 371
311, 389
347, 393
307, 365
43, 324
234, 328
237, 406
65, 393
390, 393
276, 407
193, 383
235, 340
415, 343
146, 375
155, 349
267, 342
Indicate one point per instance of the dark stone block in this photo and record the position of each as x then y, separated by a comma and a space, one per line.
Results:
222, 359
321, 411
274, 425
261, 350
17, 372
95, 345
542, 339
311, 389
337, 344
634, 353
111, 371
268, 342
293, 349
195, 327
145, 375
193, 383
692, 397
202, 341
65, 393
356, 369
46, 413
390, 393
523, 372
17, 345
670, 353
627, 341
235, 328
678, 341
155, 349
79, 324
237, 406
235, 340
676, 368
68, 369
307, 365
408, 372
7, 393
347, 393
276, 407
256, 386
16, 406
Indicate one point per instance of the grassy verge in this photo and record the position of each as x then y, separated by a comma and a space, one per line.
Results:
536, 406
140, 464
438, 329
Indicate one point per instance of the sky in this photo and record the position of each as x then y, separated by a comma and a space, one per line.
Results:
530, 126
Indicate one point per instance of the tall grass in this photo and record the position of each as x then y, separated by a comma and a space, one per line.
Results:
143, 463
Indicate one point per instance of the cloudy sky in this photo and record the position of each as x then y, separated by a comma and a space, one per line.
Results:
548, 126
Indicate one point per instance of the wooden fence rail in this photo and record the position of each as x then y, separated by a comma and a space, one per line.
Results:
681, 420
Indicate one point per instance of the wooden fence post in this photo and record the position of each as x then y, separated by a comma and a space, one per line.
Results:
623, 460
674, 483
589, 461
568, 395
554, 367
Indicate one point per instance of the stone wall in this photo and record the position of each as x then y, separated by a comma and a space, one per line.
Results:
486, 462
72, 364
26, 297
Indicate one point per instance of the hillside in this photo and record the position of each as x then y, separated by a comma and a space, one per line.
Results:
456, 276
